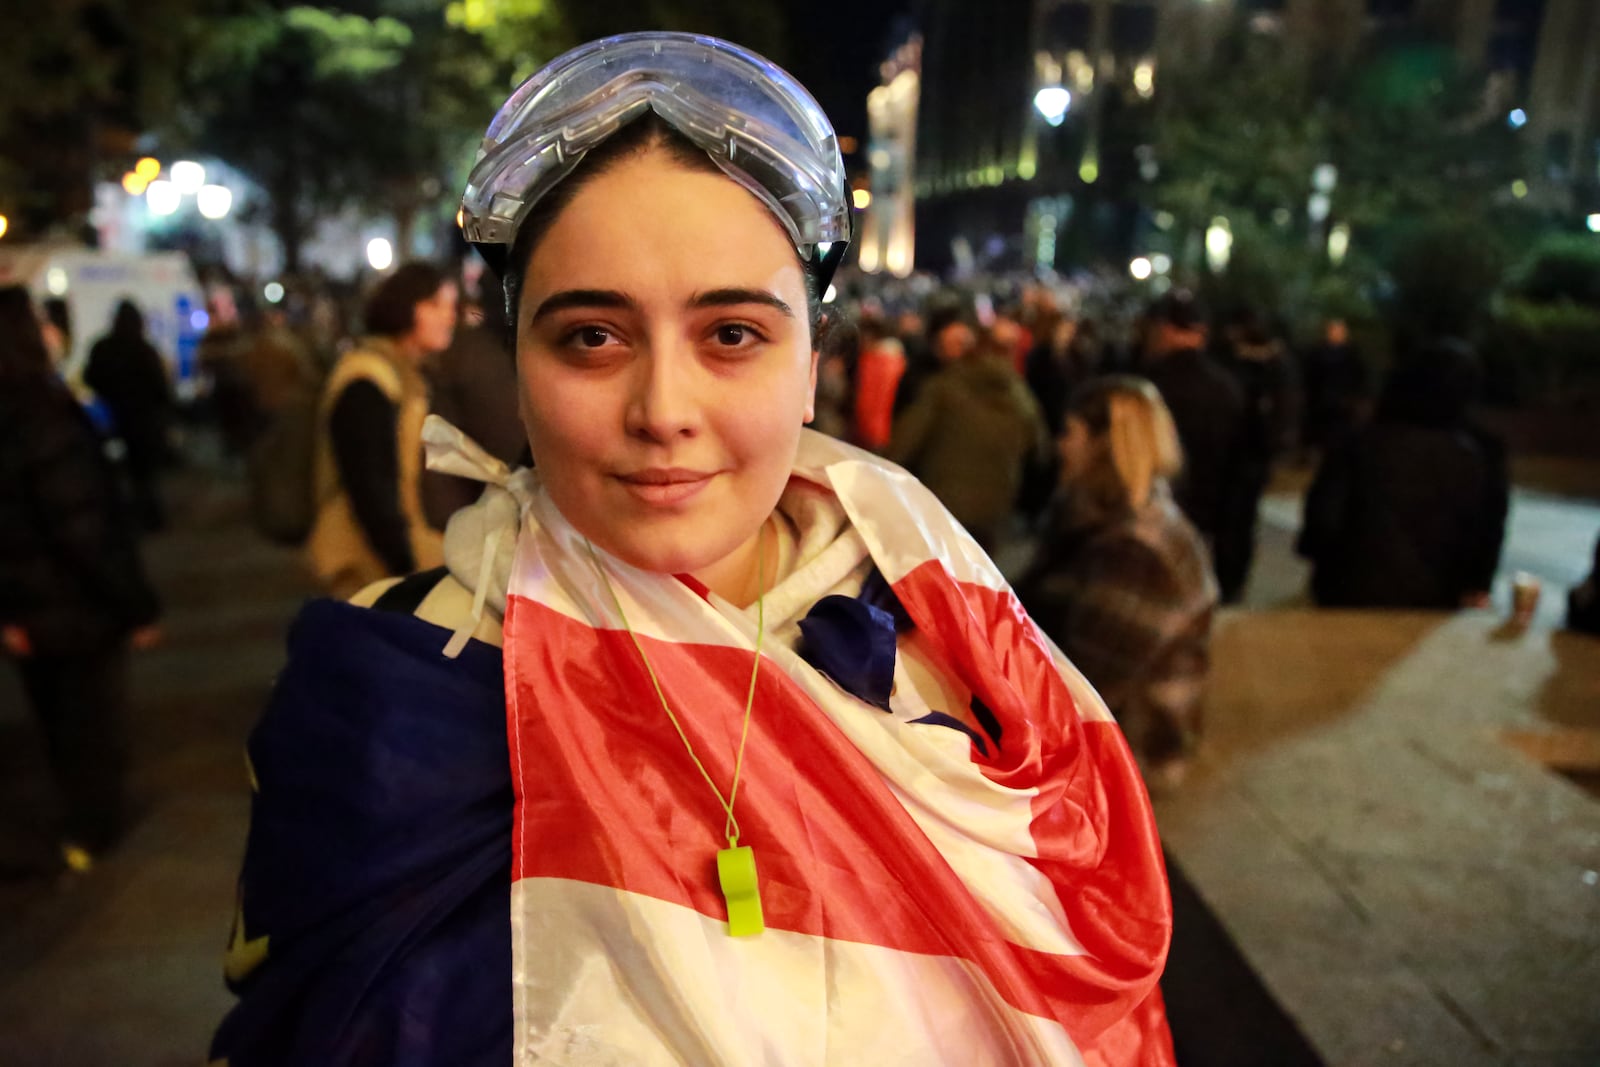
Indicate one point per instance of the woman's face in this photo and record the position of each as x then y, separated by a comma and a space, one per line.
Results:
434, 321
1077, 447
665, 362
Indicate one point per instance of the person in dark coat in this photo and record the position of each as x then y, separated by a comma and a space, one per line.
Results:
1263, 368
73, 595
1208, 409
1583, 602
473, 385
1335, 386
126, 371
1410, 511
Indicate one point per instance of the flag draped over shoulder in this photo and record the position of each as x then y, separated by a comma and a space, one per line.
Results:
930, 897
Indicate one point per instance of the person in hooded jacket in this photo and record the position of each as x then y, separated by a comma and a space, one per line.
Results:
73, 594
970, 430
127, 373
1410, 511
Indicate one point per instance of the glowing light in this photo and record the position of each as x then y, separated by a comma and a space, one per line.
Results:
1140, 268
162, 197
1089, 171
55, 280
831, 295
214, 201
1318, 207
134, 183
1517, 119
461, 217
1594, 223
862, 199
1338, 243
198, 319
1161, 263
380, 253
1053, 102
1164, 220
1144, 78
273, 292
1519, 188
1219, 244
148, 169
1325, 177
5, 224
1027, 168
188, 176
879, 158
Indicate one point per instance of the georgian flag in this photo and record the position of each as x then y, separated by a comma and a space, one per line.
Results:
930, 897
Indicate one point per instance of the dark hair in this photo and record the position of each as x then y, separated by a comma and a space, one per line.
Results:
1432, 386
22, 350
57, 313
1180, 310
128, 321
648, 132
391, 310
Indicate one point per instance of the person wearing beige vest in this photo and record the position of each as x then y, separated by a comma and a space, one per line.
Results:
370, 523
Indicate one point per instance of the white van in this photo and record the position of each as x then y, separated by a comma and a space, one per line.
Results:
93, 283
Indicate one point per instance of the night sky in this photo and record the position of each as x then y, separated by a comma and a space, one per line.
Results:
836, 46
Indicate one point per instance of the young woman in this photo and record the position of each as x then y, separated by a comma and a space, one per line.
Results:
1122, 581
73, 595
368, 468
746, 753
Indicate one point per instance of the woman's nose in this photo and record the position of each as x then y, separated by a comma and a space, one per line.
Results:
664, 402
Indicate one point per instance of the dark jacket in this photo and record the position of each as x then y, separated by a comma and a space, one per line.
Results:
1208, 409
1406, 516
966, 436
1129, 598
127, 373
70, 573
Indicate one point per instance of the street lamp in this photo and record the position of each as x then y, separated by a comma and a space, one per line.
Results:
1219, 244
1052, 102
380, 253
1594, 224
214, 201
188, 176
162, 197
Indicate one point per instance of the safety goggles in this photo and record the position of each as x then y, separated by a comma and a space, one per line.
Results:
757, 124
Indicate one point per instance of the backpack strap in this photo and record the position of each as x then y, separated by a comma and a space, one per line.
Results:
406, 596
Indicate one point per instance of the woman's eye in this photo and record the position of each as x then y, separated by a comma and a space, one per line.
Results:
590, 336
736, 335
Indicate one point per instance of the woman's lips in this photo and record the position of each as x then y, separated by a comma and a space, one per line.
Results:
663, 487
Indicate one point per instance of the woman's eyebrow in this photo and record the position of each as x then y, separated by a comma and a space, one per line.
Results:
732, 297
582, 298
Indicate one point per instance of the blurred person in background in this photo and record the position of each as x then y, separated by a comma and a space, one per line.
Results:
1207, 408
838, 354
1335, 386
367, 476
1121, 580
73, 594
1583, 601
473, 385
912, 330
1264, 370
971, 429
1410, 510
128, 374
221, 356
878, 373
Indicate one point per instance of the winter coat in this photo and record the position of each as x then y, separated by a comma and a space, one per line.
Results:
966, 437
70, 574
1406, 516
367, 477
1208, 410
1129, 597
128, 374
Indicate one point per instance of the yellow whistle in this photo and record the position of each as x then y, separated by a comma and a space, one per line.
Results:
736, 870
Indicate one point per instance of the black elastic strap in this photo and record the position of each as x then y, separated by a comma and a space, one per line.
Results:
406, 596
